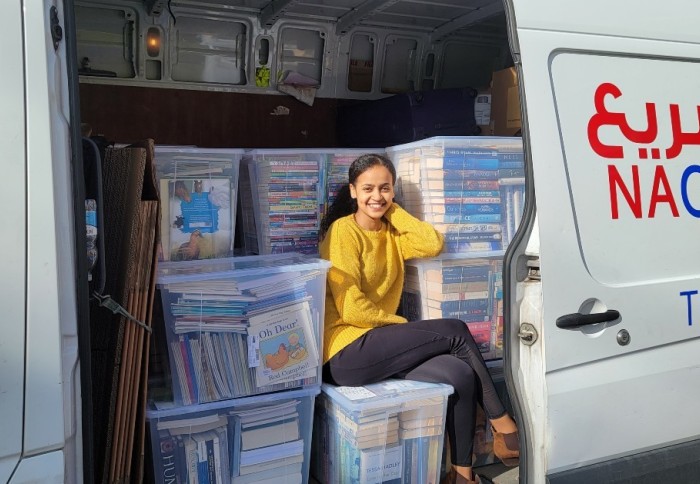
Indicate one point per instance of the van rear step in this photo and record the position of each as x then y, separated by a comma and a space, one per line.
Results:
498, 474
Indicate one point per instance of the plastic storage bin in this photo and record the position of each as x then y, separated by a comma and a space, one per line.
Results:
265, 438
455, 183
392, 431
287, 190
466, 288
243, 326
199, 191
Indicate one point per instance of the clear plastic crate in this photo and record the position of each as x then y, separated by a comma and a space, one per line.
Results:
243, 326
459, 287
287, 190
388, 431
455, 184
266, 438
199, 192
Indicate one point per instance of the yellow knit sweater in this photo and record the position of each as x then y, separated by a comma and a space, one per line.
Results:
366, 278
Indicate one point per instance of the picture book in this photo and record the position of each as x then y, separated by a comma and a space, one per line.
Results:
283, 345
198, 218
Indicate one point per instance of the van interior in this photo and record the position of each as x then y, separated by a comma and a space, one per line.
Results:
273, 74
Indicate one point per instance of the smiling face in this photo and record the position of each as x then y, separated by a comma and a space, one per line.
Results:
374, 191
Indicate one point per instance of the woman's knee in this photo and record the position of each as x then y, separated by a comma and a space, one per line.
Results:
462, 378
449, 370
449, 327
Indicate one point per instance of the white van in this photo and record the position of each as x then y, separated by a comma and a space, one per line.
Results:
601, 325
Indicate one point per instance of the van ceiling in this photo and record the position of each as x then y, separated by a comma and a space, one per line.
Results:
476, 20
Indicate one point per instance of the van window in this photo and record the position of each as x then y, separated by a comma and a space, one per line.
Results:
105, 41
361, 63
209, 51
399, 64
302, 51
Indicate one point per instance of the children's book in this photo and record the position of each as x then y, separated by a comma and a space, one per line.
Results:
282, 346
197, 220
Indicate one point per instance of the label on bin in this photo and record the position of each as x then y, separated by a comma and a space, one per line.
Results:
355, 393
253, 351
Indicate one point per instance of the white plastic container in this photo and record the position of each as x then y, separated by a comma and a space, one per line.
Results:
243, 326
392, 431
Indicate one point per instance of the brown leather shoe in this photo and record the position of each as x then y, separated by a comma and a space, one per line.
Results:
506, 447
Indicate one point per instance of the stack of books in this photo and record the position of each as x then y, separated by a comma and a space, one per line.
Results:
421, 433
471, 189
287, 193
388, 432
198, 191
458, 287
243, 326
264, 439
453, 183
511, 178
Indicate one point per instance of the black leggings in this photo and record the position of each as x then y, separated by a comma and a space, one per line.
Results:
436, 351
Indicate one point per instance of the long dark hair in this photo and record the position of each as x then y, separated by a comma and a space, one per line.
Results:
344, 204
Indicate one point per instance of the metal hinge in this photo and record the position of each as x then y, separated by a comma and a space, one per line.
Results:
56, 29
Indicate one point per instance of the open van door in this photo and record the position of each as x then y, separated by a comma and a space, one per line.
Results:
606, 368
41, 415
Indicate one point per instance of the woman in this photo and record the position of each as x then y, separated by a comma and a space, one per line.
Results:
367, 237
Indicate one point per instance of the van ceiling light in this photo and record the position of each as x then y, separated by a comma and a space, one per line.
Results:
153, 42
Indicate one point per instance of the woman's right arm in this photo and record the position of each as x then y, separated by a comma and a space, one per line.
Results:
343, 250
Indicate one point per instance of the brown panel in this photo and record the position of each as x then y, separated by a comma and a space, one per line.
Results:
206, 119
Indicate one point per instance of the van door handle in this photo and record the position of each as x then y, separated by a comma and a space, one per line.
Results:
576, 320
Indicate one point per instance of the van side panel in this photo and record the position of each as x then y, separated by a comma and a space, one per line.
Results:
674, 20
603, 85
13, 215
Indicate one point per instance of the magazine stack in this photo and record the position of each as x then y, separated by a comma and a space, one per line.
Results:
243, 326
244, 343
387, 432
199, 191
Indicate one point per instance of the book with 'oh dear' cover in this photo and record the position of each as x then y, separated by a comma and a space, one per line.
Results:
282, 345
